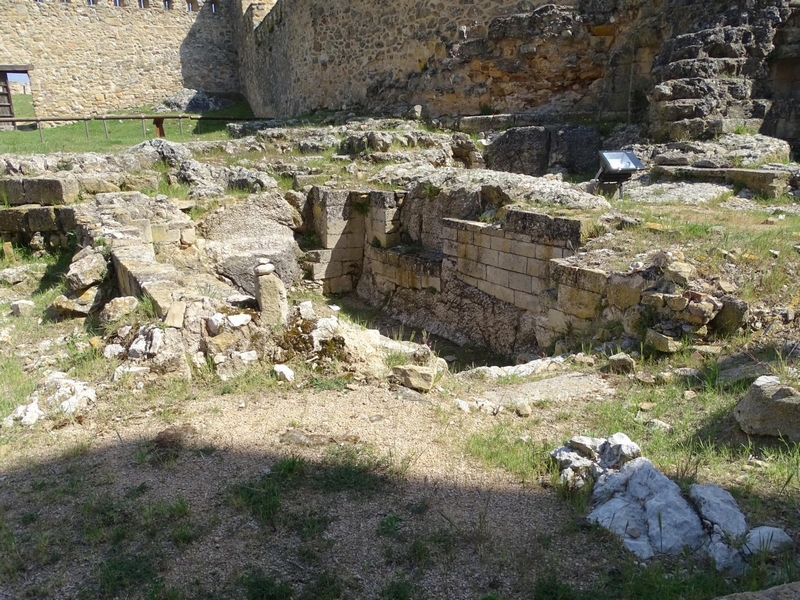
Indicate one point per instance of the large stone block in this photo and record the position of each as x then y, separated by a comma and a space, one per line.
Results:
579, 303
523, 150
770, 408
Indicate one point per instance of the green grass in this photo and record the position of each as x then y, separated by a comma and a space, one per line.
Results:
23, 105
260, 586
505, 447
122, 134
15, 384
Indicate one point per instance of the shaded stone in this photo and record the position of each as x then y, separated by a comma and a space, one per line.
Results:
661, 342
621, 363
770, 408
770, 540
718, 506
23, 308
731, 316
679, 273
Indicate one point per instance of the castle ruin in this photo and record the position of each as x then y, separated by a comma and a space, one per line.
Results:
687, 69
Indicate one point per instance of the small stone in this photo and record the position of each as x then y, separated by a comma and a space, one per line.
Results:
414, 377
621, 363
113, 351
727, 286
240, 320
188, 236
661, 342
8, 252
214, 324
116, 308
647, 406
284, 373
450, 358
770, 540
645, 378
665, 377
264, 269
174, 316
689, 395
775, 253
461, 405
658, 425
306, 310
679, 273
523, 410
23, 308
124, 370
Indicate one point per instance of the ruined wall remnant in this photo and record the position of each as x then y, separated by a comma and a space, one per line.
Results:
99, 58
307, 54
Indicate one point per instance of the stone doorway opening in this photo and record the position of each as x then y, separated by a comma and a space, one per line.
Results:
15, 95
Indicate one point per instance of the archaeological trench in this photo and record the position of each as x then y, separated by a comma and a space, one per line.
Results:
484, 230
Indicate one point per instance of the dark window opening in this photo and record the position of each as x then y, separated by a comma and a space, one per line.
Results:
167, 4
144, 3
192, 5
213, 6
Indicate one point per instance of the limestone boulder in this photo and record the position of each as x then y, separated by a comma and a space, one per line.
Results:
23, 308
524, 150
415, 377
150, 152
116, 308
646, 510
789, 591
719, 508
88, 270
241, 235
770, 408
769, 540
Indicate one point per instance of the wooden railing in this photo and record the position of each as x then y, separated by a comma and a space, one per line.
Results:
158, 121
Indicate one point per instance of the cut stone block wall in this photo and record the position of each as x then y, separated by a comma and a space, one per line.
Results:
512, 263
339, 222
99, 58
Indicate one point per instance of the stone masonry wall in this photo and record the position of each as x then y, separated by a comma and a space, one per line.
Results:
306, 54
100, 58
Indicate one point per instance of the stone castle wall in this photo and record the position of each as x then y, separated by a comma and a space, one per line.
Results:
100, 58
305, 54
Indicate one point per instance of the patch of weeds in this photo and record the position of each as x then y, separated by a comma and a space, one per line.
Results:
420, 507
260, 586
389, 525
400, 589
509, 379
322, 383
257, 378
419, 554
504, 447
156, 516
11, 560
122, 571
262, 496
325, 587
396, 358
15, 384
310, 524
106, 519
184, 534
350, 469
548, 586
